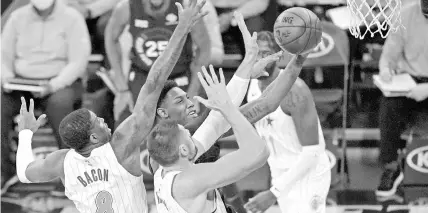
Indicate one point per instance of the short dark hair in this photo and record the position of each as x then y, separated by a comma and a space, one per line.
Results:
169, 84
163, 142
75, 129
269, 37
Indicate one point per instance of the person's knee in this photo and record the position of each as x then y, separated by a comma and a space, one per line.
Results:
65, 98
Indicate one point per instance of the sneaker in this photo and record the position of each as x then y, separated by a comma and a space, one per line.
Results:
390, 180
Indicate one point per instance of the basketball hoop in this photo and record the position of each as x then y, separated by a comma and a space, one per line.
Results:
379, 16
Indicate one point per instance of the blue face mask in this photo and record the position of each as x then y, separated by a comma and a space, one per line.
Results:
424, 7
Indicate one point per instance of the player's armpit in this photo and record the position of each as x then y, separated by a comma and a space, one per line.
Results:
203, 177
47, 169
299, 104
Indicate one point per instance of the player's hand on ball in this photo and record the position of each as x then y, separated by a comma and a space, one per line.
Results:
250, 41
259, 68
190, 12
27, 120
218, 98
261, 202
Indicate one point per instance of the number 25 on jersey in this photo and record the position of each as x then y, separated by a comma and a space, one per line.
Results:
155, 48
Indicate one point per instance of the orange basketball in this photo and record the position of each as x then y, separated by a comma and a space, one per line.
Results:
297, 30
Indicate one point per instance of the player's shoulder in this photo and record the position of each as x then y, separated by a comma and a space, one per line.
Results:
300, 87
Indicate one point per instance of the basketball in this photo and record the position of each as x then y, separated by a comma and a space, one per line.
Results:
297, 30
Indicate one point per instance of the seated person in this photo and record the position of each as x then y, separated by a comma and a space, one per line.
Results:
97, 13
404, 51
44, 40
250, 9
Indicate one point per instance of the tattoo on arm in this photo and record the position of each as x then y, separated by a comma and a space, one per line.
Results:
255, 110
293, 99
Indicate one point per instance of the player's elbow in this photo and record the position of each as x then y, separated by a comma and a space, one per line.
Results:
259, 159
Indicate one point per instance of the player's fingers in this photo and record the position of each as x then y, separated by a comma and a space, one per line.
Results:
201, 5
222, 80
193, 3
186, 4
201, 100
213, 75
41, 118
241, 24
31, 110
254, 36
23, 105
207, 76
202, 14
203, 82
179, 7
265, 74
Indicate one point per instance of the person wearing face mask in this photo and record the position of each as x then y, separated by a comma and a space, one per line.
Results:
404, 52
49, 41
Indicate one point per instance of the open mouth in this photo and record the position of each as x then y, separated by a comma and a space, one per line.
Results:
192, 113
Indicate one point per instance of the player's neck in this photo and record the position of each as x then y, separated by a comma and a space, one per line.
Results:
265, 82
86, 152
180, 165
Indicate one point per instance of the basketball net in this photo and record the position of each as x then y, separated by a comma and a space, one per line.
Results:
379, 16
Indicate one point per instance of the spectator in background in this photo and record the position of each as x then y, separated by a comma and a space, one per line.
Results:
43, 40
97, 13
404, 51
250, 9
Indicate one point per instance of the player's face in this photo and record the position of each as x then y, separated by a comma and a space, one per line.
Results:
188, 147
264, 51
100, 128
177, 106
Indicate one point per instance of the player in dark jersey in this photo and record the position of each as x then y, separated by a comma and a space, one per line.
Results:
151, 23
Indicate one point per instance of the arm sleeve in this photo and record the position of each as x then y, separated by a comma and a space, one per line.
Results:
24, 155
215, 125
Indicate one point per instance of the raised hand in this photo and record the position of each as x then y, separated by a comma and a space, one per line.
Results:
251, 47
259, 67
218, 98
27, 120
190, 12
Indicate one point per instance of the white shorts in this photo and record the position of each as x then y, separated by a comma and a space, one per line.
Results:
309, 194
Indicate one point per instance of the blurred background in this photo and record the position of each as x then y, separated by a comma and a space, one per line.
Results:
343, 68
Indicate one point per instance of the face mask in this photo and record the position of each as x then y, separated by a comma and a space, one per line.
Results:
424, 7
42, 4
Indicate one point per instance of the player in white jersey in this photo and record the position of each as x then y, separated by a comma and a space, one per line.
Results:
101, 172
298, 162
184, 187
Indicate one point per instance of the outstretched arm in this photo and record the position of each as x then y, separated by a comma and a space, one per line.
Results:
28, 169
137, 126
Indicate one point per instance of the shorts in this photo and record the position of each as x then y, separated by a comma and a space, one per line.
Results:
310, 193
